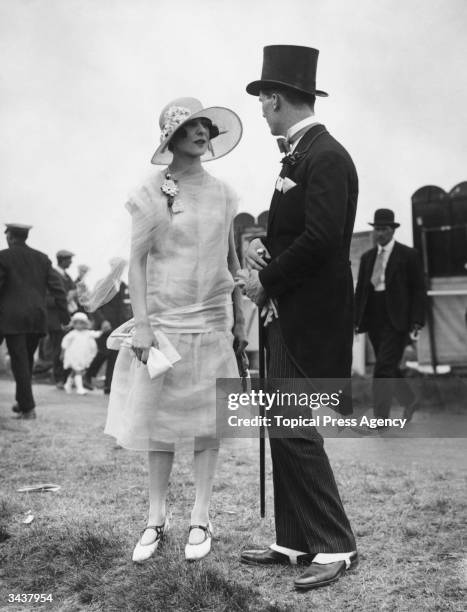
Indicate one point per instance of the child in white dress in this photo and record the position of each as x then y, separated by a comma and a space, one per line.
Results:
79, 349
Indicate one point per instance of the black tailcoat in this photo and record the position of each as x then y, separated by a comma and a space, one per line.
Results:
405, 293
25, 276
309, 232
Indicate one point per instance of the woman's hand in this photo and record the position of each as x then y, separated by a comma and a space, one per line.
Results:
241, 278
143, 340
257, 260
240, 338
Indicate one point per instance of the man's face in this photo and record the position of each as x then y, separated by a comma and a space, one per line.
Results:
383, 234
269, 113
64, 262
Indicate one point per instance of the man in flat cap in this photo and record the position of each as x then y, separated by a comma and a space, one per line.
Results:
25, 277
56, 332
390, 305
302, 267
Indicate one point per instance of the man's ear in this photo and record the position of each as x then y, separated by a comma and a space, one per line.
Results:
276, 101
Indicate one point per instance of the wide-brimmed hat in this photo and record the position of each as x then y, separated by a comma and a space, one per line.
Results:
225, 135
288, 66
384, 216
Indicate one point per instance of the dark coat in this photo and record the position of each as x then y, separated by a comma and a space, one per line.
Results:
54, 322
309, 233
25, 277
405, 288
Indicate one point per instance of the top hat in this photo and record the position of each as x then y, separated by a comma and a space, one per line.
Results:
226, 128
288, 66
384, 216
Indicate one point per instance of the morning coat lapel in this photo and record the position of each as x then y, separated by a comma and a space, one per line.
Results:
308, 139
300, 151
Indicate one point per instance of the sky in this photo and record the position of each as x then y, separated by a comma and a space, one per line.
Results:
83, 82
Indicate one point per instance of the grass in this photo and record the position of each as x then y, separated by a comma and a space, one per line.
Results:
404, 498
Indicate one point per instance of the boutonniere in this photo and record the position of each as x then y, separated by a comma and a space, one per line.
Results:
170, 188
292, 159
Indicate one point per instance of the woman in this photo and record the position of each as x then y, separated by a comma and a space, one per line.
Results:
181, 282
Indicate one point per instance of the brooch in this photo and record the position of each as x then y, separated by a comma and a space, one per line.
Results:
170, 188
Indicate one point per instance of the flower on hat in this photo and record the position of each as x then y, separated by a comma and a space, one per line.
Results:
173, 117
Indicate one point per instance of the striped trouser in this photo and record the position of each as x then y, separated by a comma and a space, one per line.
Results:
309, 514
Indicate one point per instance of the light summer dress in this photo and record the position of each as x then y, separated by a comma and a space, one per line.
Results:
189, 298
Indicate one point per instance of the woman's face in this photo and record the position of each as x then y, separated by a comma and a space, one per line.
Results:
196, 141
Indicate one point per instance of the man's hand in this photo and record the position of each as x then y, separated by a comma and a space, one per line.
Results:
254, 260
269, 312
254, 289
106, 326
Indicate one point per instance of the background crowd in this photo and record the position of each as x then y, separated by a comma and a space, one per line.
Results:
60, 342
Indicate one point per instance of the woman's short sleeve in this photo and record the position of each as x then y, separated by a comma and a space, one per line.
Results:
148, 213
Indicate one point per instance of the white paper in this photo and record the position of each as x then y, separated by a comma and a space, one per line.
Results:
157, 363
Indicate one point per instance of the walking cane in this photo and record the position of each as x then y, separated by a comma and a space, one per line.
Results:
262, 377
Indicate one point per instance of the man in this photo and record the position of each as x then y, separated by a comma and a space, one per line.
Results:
107, 318
25, 276
306, 273
390, 306
56, 332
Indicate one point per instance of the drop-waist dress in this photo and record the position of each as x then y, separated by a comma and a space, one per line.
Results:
189, 299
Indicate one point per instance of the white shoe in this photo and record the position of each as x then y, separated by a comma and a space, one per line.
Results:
80, 390
68, 386
194, 552
143, 552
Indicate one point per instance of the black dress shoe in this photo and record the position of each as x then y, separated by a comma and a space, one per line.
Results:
16, 408
363, 430
87, 383
322, 574
31, 414
269, 556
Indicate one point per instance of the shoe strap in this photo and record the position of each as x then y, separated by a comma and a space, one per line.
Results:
159, 529
204, 528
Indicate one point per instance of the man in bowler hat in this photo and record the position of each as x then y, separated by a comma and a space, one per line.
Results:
304, 270
25, 277
390, 306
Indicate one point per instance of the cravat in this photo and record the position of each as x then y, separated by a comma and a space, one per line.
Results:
378, 269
